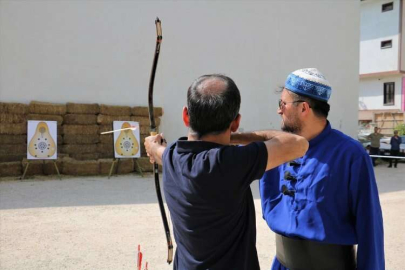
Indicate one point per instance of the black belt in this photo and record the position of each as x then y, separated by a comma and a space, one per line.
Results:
300, 254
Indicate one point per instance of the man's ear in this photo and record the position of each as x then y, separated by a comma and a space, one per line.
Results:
305, 108
235, 123
186, 118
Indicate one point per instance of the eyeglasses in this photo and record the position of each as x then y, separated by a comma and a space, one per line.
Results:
281, 103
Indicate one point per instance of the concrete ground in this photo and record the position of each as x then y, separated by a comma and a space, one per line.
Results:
97, 223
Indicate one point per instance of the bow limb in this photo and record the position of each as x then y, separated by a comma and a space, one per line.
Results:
153, 132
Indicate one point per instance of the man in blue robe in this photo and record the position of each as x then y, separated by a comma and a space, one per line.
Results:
324, 204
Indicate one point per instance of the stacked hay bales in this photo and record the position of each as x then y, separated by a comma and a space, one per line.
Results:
105, 119
35, 167
80, 138
81, 148
121, 166
13, 137
44, 111
80, 167
10, 168
81, 132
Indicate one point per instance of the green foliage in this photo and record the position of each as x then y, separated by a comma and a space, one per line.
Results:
401, 129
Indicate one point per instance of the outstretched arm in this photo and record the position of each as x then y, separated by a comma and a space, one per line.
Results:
281, 146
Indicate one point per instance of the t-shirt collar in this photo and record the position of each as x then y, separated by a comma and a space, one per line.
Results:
185, 146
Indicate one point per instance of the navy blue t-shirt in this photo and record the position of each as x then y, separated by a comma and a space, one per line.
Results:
207, 190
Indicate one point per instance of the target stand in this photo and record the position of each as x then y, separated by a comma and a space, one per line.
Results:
43, 162
117, 160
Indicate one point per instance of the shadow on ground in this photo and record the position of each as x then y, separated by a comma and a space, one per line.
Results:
86, 191
127, 189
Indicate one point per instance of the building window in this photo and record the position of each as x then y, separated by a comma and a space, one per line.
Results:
389, 93
387, 7
386, 44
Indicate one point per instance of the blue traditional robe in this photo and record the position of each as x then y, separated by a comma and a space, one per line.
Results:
335, 198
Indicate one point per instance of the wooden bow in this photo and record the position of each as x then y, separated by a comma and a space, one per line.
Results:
153, 132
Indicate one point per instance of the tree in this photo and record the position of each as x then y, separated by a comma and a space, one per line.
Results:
401, 129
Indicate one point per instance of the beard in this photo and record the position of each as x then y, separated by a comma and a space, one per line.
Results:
292, 126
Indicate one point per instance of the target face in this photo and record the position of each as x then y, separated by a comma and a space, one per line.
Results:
126, 141
42, 140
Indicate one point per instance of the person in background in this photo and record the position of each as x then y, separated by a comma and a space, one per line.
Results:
375, 143
395, 147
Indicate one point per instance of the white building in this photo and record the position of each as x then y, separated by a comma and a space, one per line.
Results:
101, 52
382, 63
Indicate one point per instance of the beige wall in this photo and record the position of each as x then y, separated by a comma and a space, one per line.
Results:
101, 52
378, 26
372, 93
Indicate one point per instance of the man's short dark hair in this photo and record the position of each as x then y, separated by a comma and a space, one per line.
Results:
320, 108
211, 111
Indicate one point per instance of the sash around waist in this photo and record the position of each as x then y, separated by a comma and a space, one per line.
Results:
301, 254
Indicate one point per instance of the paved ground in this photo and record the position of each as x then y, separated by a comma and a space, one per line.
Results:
97, 223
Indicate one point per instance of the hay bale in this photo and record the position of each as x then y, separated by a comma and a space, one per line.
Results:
80, 139
60, 139
143, 151
11, 168
13, 108
86, 156
144, 111
105, 165
35, 167
80, 167
104, 128
105, 155
36, 107
10, 158
145, 165
144, 121
79, 149
14, 149
125, 165
105, 148
80, 129
13, 139
59, 130
78, 108
103, 119
12, 118
49, 166
13, 129
46, 117
121, 166
107, 138
115, 110
80, 119
143, 138
145, 130
142, 144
